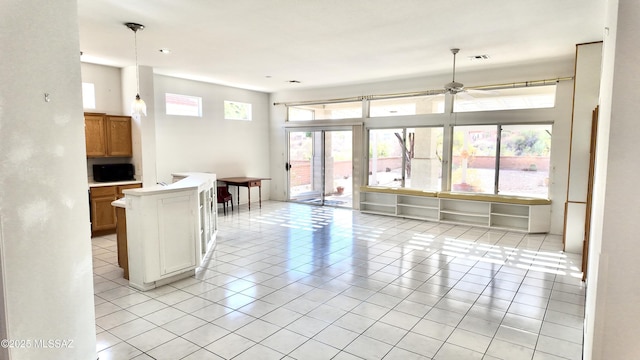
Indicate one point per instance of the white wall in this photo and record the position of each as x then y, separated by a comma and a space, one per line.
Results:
107, 86
211, 143
612, 311
45, 245
587, 83
549, 70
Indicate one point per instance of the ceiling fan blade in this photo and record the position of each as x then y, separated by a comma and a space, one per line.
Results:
465, 95
483, 92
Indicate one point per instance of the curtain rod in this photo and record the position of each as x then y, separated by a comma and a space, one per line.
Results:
513, 85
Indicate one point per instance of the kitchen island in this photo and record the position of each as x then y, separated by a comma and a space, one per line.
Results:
169, 229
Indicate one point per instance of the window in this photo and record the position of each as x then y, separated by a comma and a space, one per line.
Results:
300, 114
473, 163
406, 157
525, 155
522, 164
533, 97
330, 111
184, 105
414, 105
88, 96
234, 110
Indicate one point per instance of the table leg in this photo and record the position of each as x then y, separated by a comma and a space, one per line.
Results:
238, 189
260, 195
249, 196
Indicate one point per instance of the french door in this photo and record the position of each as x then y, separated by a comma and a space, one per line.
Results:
319, 166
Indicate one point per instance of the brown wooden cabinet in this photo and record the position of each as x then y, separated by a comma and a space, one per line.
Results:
107, 135
125, 187
121, 241
119, 136
103, 214
94, 135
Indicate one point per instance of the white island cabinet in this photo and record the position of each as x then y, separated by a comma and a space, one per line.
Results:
170, 228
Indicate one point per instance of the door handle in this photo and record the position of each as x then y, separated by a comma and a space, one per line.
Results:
287, 166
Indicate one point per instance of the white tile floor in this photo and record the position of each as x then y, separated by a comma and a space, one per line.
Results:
294, 281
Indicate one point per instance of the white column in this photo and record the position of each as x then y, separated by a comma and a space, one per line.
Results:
143, 128
612, 315
45, 246
587, 83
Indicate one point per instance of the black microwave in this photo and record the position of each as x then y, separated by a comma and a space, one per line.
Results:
113, 172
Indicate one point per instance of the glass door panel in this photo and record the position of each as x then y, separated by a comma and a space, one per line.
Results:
338, 165
304, 166
320, 167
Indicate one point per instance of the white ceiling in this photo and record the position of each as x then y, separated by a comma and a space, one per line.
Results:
263, 44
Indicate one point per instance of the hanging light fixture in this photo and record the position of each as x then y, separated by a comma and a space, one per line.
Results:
138, 107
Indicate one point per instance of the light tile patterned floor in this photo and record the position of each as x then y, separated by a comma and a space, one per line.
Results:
294, 281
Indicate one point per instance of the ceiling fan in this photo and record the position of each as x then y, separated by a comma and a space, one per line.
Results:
457, 88
454, 87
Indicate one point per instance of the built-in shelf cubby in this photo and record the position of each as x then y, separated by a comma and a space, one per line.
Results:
418, 207
509, 216
509, 213
378, 203
465, 212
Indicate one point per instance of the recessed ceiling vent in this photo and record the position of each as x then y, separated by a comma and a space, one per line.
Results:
479, 57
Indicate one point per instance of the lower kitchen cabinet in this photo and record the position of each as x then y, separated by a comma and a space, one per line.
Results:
103, 214
121, 240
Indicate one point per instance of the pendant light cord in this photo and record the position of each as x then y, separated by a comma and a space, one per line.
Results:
135, 43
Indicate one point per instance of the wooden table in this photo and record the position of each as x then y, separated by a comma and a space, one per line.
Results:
247, 182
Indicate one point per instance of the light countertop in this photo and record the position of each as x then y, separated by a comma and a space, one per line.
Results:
119, 203
113, 183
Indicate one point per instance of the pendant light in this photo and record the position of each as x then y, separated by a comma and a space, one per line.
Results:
138, 107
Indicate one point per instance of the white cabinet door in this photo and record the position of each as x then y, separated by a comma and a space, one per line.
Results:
176, 233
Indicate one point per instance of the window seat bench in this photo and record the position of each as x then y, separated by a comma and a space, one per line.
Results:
512, 213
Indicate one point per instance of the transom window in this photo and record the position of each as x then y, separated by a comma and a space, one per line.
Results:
184, 105
533, 97
412, 105
329, 111
88, 96
234, 110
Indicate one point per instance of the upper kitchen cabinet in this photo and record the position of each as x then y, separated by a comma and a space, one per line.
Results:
95, 135
107, 135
